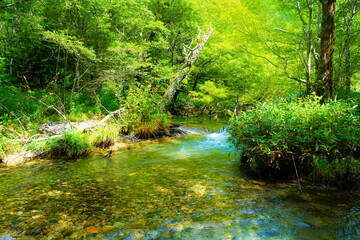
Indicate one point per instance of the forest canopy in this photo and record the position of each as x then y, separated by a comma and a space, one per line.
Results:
87, 56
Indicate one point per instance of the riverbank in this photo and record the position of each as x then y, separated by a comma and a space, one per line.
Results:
60, 141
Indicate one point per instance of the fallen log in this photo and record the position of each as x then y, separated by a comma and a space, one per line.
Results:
57, 128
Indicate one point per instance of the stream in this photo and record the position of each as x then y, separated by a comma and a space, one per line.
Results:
190, 187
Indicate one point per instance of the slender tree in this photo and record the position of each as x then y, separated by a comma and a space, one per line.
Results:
327, 39
346, 39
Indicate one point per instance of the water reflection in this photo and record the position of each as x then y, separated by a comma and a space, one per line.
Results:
189, 188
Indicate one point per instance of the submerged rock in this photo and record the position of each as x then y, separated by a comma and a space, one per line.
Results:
18, 158
106, 228
92, 230
6, 237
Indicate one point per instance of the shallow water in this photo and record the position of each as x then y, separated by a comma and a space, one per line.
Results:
185, 188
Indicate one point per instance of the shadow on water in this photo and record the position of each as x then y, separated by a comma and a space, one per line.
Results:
188, 188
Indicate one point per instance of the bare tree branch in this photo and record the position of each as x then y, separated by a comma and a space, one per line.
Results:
277, 66
259, 56
281, 30
14, 115
62, 115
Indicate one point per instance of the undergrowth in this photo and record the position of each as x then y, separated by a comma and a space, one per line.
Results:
21, 114
322, 140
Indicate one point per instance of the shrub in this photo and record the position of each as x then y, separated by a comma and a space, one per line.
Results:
7, 146
143, 116
323, 140
70, 145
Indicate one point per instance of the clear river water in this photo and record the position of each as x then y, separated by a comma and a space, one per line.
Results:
190, 187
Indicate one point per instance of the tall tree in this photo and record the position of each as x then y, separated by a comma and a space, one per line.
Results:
327, 39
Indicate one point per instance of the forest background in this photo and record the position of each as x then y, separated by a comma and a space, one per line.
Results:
82, 59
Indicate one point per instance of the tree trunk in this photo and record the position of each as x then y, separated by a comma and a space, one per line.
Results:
237, 106
76, 78
172, 57
64, 82
308, 35
190, 60
177, 92
347, 68
327, 39
196, 81
309, 48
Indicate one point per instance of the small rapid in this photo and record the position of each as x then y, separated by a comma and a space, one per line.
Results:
208, 139
219, 139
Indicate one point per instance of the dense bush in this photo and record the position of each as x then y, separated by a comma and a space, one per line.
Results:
143, 115
323, 140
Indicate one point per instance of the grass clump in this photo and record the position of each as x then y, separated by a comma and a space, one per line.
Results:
322, 140
105, 136
70, 145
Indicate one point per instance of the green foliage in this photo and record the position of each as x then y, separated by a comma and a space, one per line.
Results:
212, 98
106, 135
320, 138
71, 47
109, 100
2, 68
337, 171
7, 146
16, 105
85, 103
70, 145
70, 44
180, 19
20, 114
143, 116
74, 144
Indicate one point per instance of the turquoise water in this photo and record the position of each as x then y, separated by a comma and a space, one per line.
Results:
183, 188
